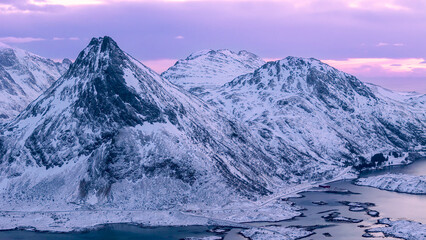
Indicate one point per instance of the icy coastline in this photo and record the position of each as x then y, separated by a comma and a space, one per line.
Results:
396, 182
275, 233
404, 229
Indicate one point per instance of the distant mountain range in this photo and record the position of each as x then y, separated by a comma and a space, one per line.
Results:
23, 77
113, 133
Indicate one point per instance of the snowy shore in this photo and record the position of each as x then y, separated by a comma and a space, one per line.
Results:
78, 220
396, 182
404, 229
275, 233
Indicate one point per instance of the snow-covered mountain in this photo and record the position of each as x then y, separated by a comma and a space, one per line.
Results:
208, 69
111, 132
305, 107
413, 99
23, 77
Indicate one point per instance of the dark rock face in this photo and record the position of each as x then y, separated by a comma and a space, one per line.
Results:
335, 217
361, 207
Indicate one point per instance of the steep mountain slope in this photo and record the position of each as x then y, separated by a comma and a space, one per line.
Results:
309, 107
111, 132
208, 69
416, 101
23, 77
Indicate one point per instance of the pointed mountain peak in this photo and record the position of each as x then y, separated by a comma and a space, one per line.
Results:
99, 54
100, 46
105, 43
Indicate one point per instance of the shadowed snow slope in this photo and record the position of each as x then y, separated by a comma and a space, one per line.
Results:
23, 77
111, 132
303, 107
208, 69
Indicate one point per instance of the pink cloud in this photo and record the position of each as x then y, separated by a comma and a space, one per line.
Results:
407, 74
379, 66
159, 65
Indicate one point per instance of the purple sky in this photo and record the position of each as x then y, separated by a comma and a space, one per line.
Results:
380, 41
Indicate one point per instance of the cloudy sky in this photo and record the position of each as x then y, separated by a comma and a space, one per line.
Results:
380, 41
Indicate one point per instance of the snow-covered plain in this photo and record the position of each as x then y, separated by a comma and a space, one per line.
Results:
396, 182
79, 220
404, 229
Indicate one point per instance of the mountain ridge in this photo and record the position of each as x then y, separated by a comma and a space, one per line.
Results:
23, 77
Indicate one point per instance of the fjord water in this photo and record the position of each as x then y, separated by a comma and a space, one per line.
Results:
389, 204
114, 232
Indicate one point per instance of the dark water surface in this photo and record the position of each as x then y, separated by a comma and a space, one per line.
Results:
389, 204
114, 232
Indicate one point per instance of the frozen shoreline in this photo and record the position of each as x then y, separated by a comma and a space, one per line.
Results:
270, 209
396, 182
404, 229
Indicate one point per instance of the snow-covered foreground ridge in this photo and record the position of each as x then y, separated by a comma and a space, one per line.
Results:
23, 77
403, 229
396, 182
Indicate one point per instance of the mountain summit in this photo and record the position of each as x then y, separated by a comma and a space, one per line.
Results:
208, 69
